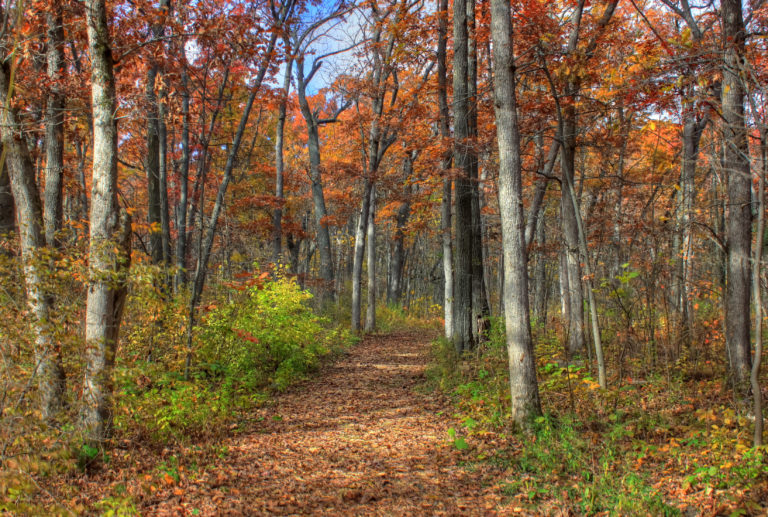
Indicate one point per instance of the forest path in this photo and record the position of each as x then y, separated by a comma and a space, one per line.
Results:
359, 439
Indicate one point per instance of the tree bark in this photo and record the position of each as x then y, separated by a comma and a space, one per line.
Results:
152, 168
524, 388
277, 218
568, 208
739, 215
181, 207
54, 126
397, 262
463, 338
692, 132
318, 195
110, 234
154, 161
29, 214
357, 264
370, 313
445, 165
757, 292
480, 308
7, 206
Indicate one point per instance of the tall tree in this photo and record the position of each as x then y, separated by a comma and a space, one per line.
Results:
277, 217
445, 164
522, 365
17, 159
462, 296
739, 215
208, 234
302, 41
54, 123
370, 313
110, 236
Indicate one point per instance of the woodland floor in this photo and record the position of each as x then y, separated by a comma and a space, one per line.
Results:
360, 438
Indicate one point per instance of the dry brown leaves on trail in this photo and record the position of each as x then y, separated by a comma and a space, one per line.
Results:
359, 439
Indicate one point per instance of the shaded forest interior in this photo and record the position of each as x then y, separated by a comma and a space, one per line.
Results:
530, 234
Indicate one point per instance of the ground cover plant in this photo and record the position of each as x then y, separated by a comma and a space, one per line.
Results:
660, 443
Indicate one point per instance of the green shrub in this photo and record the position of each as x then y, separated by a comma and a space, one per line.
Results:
263, 337
268, 337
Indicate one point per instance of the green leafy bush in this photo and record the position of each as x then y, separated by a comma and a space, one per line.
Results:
253, 339
269, 337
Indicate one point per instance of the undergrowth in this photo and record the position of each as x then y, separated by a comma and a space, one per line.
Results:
658, 445
255, 337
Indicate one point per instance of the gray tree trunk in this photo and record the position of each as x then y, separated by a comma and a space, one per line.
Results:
463, 338
757, 292
379, 141
7, 208
54, 126
277, 218
318, 195
568, 206
370, 313
692, 131
357, 264
739, 216
480, 308
524, 388
445, 165
29, 214
110, 237
397, 260
576, 338
152, 168
155, 163
181, 207
165, 222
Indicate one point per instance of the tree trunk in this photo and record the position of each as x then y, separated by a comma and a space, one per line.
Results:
154, 161
568, 210
82, 155
540, 289
739, 215
6, 202
29, 215
165, 223
446, 203
524, 388
480, 308
181, 207
757, 394
692, 131
318, 196
397, 261
370, 313
277, 218
152, 168
54, 127
357, 265
110, 234
582, 236
462, 320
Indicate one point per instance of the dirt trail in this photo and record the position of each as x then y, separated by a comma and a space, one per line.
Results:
359, 439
